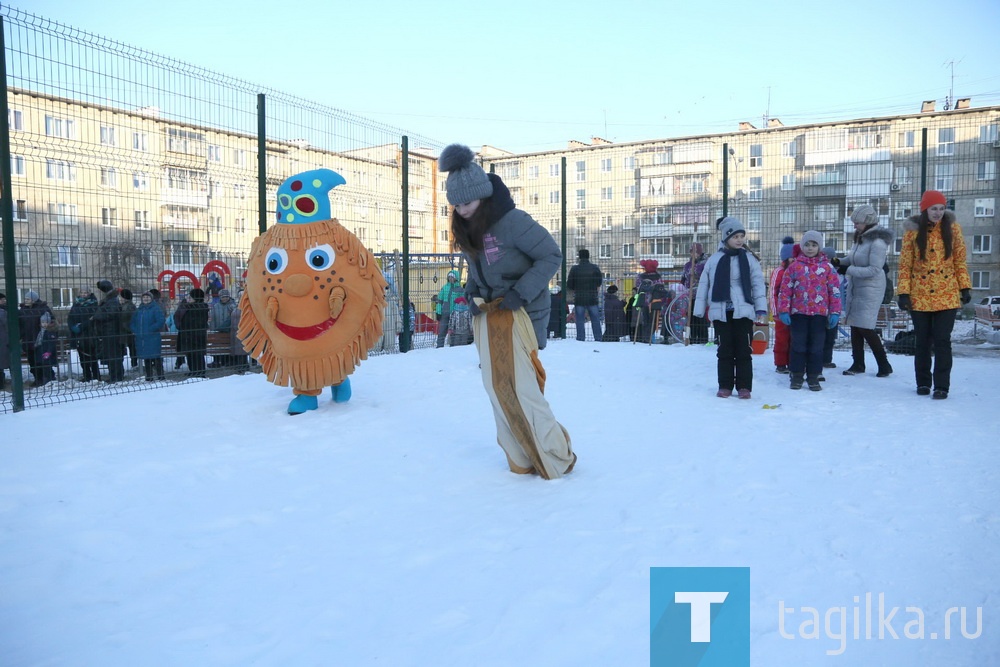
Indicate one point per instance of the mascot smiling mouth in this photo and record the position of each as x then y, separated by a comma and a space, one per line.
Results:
305, 333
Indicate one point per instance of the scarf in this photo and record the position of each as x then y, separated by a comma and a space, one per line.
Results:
720, 286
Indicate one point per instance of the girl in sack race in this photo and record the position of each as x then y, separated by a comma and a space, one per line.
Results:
511, 260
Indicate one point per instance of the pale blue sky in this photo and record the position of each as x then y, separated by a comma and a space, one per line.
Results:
513, 74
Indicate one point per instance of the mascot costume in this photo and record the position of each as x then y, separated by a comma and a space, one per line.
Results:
314, 297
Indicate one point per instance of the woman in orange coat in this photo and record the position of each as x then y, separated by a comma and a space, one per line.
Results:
933, 283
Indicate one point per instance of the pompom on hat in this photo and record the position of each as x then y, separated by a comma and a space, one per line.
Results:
787, 245
105, 286
466, 180
931, 198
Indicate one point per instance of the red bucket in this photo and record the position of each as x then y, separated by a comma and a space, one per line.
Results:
758, 345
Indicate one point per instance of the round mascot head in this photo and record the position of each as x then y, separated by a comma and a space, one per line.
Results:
314, 295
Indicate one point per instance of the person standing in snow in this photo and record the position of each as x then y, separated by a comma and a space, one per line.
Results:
731, 295
781, 332
584, 283
445, 302
809, 304
30, 318
865, 288
511, 260
933, 284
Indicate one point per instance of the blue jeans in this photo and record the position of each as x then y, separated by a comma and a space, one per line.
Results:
581, 324
808, 334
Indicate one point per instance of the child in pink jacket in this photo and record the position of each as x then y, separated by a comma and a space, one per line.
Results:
808, 303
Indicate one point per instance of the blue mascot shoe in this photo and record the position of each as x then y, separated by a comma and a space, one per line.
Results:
302, 403
342, 392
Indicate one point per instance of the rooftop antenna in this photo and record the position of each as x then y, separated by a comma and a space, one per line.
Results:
951, 87
767, 110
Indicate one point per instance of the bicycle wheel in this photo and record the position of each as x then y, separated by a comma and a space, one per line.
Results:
676, 317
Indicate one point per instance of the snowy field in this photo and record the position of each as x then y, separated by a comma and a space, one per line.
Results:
200, 525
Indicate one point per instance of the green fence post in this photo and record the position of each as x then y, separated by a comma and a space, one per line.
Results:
923, 161
725, 179
7, 209
405, 338
261, 164
562, 242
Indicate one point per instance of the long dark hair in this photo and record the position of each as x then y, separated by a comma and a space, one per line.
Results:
468, 234
924, 223
858, 235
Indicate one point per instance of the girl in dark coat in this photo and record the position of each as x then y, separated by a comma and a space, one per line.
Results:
83, 334
614, 316
108, 326
192, 332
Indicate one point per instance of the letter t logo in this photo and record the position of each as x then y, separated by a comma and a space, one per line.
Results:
701, 611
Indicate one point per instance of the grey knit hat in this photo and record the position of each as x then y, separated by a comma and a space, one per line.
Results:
730, 226
813, 236
865, 215
31, 296
466, 180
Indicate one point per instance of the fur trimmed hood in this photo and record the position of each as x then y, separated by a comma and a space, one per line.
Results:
879, 232
912, 223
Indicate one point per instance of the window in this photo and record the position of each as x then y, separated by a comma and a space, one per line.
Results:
22, 254
63, 128
533, 198
980, 279
628, 222
185, 141
904, 209
241, 227
581, 171
66, 255
178, 254
984, 207
606, 194
17, 165
214, 153
629, 163
753, 219
630, 191
788, 182
982, 244
946, 141
109, 177
787, 215
108, 137
986, 171
756, 192
604, 251
897, 245
141, 220
533, 171
628, 250
140, 141
62, 214
240, 191
581, 199
554, 169
905, 139
988, 133
20, 210
143, 258
15, 119
903, 176
443, 211
59, 170
109, 217
61, 297
554, 197
581, 227
659, 246
756, 155
140, 180
826, 213
605, 222
944, 176
606, 165
788, 149
554, 224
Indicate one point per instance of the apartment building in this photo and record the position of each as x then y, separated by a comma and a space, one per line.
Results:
653, 199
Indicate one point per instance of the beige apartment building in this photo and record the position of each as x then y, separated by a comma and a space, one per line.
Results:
652, 199
101, 192
128, 194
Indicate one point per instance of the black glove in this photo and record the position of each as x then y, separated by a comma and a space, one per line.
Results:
966, 296
841, 269
512, 301
474, 307
904, 302
835, 261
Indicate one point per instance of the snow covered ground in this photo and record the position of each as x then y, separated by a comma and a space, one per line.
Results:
200, 525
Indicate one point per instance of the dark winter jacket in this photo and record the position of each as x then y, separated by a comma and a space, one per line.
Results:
615, 325
30, 318
107, 323
191, 320
147, 325
83, 332
585, 281
4, 341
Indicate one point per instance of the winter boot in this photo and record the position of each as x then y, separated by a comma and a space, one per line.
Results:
884, 367
796, 381
341, 392
781, 369
813, 382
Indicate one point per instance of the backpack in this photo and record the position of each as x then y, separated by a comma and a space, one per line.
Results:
905, 342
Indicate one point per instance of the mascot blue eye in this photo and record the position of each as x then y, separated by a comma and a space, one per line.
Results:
321, 257
277, 260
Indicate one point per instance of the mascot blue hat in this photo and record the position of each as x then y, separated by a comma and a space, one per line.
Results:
304, 198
